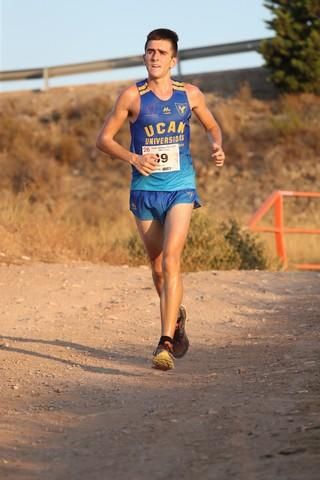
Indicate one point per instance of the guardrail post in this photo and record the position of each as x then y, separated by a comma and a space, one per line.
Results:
279, 233
45, 75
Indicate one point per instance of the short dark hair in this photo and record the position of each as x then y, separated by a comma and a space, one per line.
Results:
164, 34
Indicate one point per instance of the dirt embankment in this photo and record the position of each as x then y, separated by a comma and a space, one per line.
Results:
61, 199
79, 399
48, 148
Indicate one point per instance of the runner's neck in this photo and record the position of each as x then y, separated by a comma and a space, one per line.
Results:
162, 87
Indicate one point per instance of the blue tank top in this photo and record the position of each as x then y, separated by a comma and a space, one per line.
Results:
162, 128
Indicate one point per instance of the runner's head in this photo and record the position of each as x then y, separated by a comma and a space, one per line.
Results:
164, 34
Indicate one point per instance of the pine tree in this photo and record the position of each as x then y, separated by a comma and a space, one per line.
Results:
293, 55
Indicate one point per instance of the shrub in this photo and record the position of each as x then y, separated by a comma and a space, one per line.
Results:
250, 250
136, 252
211, 246
206, 247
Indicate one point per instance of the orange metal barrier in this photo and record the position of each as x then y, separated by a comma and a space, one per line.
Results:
276, 201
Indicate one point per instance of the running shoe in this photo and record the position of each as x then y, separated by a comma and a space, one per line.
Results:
162, 357
180, 339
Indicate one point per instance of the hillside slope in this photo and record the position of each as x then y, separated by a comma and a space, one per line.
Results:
48, 155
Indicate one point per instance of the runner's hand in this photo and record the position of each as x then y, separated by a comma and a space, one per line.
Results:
218, 154
145, 164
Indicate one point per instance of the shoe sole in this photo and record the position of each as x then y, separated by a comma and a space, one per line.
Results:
163, 361
183, 315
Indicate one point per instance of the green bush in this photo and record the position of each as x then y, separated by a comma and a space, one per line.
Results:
211, 246
136, 252
206, 247
250, 250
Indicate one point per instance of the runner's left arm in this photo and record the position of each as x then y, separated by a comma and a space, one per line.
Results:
199, 107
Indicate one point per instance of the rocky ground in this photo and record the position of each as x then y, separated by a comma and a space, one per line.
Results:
79, 399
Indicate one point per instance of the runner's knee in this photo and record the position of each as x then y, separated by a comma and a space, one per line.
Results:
171, 264
156, 267
157, 276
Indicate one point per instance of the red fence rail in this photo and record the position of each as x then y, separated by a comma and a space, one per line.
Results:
275, 201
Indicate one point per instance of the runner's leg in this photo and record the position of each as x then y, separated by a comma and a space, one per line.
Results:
152, 235
175, 233
164, 246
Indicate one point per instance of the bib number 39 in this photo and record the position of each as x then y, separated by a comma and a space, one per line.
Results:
168, 158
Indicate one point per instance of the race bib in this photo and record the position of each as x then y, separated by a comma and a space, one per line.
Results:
168, 157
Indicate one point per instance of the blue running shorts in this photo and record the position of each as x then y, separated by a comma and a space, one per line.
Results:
149, 205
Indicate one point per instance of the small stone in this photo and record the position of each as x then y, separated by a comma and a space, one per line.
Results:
241, 371
292, 451
212, 412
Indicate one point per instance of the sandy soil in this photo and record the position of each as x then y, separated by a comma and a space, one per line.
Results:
79, 399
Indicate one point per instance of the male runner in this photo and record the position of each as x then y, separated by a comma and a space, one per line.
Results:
163, 190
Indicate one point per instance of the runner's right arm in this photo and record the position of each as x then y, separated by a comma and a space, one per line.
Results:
106, 142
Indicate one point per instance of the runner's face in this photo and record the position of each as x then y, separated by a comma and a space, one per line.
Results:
159, 58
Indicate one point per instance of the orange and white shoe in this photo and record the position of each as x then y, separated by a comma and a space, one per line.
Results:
163, 356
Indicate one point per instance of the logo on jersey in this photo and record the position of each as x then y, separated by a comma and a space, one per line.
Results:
181, 108
150, 110
166, 110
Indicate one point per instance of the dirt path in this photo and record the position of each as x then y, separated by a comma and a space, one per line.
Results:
79, 400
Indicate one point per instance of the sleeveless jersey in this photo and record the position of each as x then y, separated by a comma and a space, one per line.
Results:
162, 128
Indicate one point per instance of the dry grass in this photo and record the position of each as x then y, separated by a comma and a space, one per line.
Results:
30, 230
299, 249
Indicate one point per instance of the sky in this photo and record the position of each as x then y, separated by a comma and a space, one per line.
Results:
39, 33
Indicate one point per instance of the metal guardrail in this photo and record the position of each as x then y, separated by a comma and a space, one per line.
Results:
126, 62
